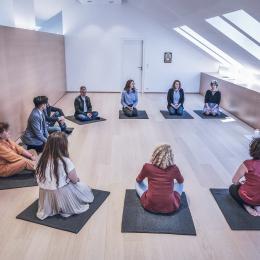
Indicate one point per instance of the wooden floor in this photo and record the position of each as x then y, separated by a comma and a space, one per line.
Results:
109, 155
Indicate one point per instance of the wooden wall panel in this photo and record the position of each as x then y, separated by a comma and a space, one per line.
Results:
242, 102
31, 64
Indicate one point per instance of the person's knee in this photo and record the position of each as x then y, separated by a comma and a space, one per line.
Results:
95, 113
171, 111
231, 189
80, 117
180, 112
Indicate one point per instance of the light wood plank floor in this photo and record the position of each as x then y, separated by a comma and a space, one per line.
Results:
108, 156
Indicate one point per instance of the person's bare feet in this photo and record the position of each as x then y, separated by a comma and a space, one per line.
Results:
251, 210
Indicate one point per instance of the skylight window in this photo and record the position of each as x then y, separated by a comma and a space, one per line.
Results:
245, 22
235, 35
210, 46
201, 46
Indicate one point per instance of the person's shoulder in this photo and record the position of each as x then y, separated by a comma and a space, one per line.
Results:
148, 166
174, 169
66, 159
35, 113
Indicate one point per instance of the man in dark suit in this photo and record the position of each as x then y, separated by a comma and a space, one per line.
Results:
83, 107
55, 115
36, 134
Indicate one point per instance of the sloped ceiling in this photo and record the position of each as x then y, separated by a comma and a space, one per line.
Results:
174, 13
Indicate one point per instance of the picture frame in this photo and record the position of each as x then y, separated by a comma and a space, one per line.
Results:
168, 57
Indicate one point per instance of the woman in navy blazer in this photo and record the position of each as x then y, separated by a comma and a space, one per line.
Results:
175, 98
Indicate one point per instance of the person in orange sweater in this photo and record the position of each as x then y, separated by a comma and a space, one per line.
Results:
13, 158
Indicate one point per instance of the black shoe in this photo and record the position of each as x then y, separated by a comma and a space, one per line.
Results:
68, 131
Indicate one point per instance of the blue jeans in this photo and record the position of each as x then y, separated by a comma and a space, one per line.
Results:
174, 111
51, 125
84, 117
52, 129
141, 187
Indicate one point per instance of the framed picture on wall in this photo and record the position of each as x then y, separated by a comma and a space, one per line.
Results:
168, 57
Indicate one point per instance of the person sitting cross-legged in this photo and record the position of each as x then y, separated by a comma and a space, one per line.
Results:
162, 194
61, 192
83, 107
13, 157
55, 115
246, 181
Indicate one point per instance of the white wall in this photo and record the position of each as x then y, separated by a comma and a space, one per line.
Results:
93, 44
6, 13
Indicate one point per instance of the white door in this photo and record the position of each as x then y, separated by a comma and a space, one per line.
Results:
133, 62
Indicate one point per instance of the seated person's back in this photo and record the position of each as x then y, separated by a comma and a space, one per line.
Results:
161, 195
60, 189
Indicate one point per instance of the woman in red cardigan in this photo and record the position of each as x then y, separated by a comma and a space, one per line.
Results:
161, 195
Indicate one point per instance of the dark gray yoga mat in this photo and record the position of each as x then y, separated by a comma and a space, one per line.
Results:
236, 216
71, 224
200, 113
137, 220
185, 115
23, 179
74, 120
141, 115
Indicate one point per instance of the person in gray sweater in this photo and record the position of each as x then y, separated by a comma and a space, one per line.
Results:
36, 133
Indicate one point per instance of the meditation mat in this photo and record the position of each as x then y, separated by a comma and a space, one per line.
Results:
167, 115
138, 220
200, 113
74, 120
71, 224
236, 216
23, 179
141, 115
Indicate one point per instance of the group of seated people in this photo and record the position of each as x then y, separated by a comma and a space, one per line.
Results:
159, 184
175, 99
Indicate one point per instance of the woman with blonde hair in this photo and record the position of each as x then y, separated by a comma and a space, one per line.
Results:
61, 191
161, 195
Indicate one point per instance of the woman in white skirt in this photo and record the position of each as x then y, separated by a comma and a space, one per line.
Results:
60, 189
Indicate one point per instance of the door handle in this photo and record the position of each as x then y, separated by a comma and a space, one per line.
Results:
141, 68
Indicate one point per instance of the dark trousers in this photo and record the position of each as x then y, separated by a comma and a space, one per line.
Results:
61, 125
233, 190
174, 111
130, 112
85, 117
37, 148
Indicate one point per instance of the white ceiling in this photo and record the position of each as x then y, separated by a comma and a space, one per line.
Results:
174, 13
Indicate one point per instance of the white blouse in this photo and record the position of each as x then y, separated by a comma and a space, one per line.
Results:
50, 182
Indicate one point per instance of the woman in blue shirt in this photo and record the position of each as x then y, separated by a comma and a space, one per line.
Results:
129, 99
